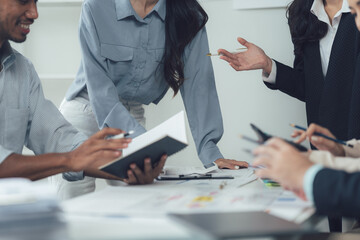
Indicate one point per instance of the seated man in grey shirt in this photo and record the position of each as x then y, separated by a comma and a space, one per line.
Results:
27, 118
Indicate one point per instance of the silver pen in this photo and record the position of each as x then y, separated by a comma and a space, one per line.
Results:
121, 135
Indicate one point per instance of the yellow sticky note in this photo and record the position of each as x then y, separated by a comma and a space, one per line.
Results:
203, 199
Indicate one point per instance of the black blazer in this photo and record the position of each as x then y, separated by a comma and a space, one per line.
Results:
337, 193
327, 98
354, 118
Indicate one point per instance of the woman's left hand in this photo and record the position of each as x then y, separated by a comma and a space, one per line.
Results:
231, 164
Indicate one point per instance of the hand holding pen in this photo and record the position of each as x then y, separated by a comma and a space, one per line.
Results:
321, 138
121, 135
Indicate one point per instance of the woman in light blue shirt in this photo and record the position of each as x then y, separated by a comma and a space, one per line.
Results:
132, 52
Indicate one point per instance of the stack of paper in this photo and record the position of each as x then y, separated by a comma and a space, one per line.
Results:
22, 201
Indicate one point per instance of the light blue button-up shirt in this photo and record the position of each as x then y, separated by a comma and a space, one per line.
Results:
122, 58
308, 182
27, 118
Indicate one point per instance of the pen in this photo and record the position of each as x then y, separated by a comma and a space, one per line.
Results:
272, 185
216, 54
324, 136
187, 177
121, 135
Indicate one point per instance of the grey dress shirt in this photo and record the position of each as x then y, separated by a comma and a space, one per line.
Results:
122, 58
27, 118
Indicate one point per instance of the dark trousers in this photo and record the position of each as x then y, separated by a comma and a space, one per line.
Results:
335, 224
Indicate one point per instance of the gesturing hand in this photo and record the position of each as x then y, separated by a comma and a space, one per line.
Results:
253, 58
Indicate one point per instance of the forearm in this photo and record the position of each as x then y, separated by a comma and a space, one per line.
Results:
337, 192
34, 167
328, 160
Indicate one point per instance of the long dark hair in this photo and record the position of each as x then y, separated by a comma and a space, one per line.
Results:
304, 26
184, 19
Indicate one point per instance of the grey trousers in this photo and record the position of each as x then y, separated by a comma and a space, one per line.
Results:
79, 113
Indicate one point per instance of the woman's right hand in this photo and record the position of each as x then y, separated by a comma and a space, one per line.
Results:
319, 142
251, 59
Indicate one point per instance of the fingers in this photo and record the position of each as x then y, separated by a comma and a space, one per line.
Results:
226, 54
106, 132
263, 162
241, 164
264, 150
319, 141
263, 173
147, 166
138, 173
131, 178
237, 67
160, 166
325, 144
94, 160
299, 133
243, 42
318, 129
277, 143
231, 164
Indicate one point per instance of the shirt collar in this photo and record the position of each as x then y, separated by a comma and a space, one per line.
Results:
124, 9
7, 54
318, 9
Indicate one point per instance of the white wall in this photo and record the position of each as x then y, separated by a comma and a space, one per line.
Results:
53, 47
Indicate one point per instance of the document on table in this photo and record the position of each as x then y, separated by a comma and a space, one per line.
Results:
241, 176
289, 207
24, 201
164, 197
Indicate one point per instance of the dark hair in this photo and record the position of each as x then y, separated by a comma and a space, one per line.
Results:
304, 26
184, 19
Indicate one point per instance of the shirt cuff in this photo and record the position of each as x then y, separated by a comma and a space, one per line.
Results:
353, 152
271, 78
209, 155
309, 181
73, 176
4, 153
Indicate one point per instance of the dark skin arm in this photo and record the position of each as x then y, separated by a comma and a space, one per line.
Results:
92, 153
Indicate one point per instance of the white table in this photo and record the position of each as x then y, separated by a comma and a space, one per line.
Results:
140, 212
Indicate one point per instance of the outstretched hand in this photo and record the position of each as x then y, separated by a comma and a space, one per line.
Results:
253, 58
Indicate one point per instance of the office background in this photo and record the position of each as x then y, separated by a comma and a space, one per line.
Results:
54, 49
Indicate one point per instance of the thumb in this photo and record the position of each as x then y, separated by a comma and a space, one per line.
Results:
243, 42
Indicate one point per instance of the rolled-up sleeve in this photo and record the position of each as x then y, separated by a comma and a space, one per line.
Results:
48, 130
4, 153
104, 99
201, 100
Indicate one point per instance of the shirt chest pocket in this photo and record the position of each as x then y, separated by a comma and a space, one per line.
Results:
118, 60
16, 125
159, 55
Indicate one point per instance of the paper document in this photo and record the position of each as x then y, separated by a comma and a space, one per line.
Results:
23, 201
